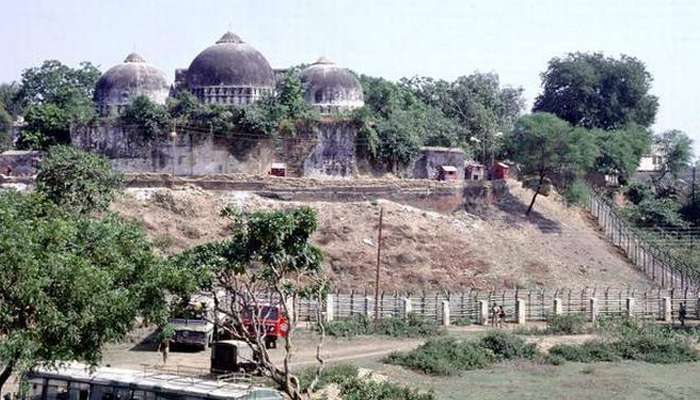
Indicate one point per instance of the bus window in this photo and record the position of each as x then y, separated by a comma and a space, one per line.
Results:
79, 391
57, 390
122, 393
100, 392
37, 388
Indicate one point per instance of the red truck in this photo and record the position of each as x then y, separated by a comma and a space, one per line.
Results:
273, 324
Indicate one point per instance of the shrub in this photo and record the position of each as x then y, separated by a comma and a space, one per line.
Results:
359, 389
577, 193
630, 339
592, 351
354, 388
555, 359
506, 346
336, 373
462, 322
444, 356
77, 181
357, 325
413, 326
570, 324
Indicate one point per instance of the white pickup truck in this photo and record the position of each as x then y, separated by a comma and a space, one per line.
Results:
195, 325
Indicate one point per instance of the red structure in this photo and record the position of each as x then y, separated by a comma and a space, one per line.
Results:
499, 171
278, 169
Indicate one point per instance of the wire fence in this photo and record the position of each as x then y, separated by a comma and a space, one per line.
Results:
539, 304
653, 254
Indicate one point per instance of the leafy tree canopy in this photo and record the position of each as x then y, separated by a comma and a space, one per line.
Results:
676, 149
5, 129
283, 112
594, 91
52, 96
76, 180
152, 118
477, 104
70, 283
548, 147
621, 150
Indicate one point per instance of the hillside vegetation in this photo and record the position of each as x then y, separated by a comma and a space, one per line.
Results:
489, 247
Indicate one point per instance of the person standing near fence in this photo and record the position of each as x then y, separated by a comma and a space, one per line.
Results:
496, 313
682, 313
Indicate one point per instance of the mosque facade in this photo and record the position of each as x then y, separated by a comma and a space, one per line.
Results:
230, 72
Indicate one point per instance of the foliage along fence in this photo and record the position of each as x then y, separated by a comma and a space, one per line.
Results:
655, 261
653, 304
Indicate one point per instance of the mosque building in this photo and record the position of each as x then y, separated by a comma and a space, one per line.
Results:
230, 72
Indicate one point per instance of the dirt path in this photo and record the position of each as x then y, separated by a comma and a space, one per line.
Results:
137, 356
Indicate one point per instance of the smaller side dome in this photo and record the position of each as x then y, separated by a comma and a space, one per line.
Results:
331, 88
119, 85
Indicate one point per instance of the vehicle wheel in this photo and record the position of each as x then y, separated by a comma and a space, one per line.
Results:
270, 343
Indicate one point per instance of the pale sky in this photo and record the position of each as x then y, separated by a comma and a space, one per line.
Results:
392, 39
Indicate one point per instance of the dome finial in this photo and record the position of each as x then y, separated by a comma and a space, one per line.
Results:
134, 58
324, 60
229, 37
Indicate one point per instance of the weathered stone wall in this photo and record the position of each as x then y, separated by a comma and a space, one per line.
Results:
422, 193
190, 153
326, 150
427, 165
19, 163
334, 155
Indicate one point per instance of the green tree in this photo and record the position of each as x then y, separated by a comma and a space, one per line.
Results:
594, 91
269, 254
77, 181
621, 150
8, 98
150, 118
477, 103
70, 283
399, 139
46, 125
52, 96
5, 129
676, 149
549, 147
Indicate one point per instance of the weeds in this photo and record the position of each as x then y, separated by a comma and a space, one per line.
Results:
359, 325
629, 339
447, 356
354, 388
570, 324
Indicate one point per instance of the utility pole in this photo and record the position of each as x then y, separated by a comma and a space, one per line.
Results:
376, 279
695, 218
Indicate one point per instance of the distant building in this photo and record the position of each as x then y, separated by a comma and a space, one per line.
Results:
653, 161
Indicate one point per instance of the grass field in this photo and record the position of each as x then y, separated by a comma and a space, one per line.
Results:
530, 381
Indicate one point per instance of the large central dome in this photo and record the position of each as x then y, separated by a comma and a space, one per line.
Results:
230, 62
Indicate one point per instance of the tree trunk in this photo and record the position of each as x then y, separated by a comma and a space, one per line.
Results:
5, 374
537, 191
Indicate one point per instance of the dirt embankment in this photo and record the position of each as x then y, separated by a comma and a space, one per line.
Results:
490, 247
